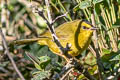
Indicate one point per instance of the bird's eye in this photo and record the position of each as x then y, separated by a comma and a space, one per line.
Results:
84, 27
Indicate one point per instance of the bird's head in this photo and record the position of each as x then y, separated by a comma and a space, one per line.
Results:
87, 26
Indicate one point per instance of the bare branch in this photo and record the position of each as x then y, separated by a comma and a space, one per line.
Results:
59, 17
51, 29
9, 56
99, 62
64, 71
65, 75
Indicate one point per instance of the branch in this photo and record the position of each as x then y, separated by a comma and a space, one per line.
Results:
99, 62
65, 75
73, 64
51, 29
9, 56
59, 17
65, 70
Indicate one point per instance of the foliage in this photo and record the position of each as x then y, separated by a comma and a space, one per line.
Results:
22, 23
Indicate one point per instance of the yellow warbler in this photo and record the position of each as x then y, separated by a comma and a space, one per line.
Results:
77, 33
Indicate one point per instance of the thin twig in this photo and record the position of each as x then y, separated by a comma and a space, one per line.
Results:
92, 50
83, 70
76, 65
59, 17
65, 75
33, 58
52, 32
99, 62
9, 56
64, 71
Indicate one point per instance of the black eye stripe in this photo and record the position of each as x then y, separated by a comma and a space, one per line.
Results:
84, 27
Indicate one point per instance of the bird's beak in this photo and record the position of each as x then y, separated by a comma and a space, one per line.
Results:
93, 28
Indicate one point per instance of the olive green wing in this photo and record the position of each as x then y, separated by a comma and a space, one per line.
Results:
67, 30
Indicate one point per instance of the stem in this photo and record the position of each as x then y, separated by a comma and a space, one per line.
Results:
99, 62
9, 56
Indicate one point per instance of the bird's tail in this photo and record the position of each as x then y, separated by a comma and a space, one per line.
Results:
40, 40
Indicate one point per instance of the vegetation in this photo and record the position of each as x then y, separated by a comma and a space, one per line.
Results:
19, 21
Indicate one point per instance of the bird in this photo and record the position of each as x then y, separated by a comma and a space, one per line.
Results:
77, 33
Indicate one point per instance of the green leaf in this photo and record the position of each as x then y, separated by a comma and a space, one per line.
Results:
21, 29
107, 60
40, 52
106, 57
41, 22
106, 51
36, 49
35, 61
90, 59
4, 63
44, 61
85, 4
40, 62
118, 2
116, 24
35, 71
97, 1
41, 75
119, 44
82, 5
113, 27
97, 9
81, 77
115, 58
37, 66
